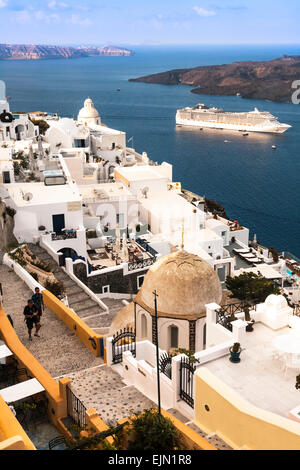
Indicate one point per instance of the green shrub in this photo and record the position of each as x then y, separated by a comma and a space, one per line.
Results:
55, 287
17, 168
251, 286
18, 257
43, 125
10, 211
152, 431
35, 276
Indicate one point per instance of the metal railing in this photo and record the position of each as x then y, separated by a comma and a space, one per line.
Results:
147, 247
124, 340
226, 314
165, 365
187, 381
63, 236
145, 263
76, 408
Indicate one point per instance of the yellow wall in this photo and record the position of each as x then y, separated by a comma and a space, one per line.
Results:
73, 322
238, 422
57, 401
119, 177
12, 435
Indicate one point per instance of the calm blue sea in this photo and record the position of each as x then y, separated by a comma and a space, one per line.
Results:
257, 185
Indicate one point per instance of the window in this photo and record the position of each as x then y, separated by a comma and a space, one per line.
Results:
105, 289
224, 234
120, 220
143, 326
174, 336
140, 280
79, 143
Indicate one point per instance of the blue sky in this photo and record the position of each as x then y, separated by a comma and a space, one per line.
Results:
139, 22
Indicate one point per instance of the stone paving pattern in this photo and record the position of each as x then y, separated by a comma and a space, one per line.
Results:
103, 389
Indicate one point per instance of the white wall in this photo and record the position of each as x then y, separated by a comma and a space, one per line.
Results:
29, 219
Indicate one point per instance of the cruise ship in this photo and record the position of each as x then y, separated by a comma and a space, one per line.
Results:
215, 118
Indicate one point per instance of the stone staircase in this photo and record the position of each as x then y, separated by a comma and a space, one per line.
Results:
213, 438
82, 304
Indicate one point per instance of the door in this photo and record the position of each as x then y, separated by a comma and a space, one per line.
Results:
6, 177
222, 273
58, 223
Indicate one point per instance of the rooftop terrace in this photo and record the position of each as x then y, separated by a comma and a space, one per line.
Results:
260, 377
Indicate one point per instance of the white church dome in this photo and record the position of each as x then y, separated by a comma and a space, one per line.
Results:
88, 111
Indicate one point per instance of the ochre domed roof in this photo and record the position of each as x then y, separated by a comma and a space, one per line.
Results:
88, 111
184, 283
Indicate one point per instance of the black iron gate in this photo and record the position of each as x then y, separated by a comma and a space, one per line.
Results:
165, 365
187, 381
123, 341
76, 408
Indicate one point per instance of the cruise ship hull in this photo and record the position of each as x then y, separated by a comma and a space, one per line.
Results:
280, 129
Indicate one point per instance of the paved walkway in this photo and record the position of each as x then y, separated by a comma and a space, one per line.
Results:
57, 349
62, 354
103, 389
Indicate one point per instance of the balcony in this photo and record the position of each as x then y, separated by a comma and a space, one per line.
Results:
67, 235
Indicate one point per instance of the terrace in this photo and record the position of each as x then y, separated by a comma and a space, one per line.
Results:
120, 251
261, 377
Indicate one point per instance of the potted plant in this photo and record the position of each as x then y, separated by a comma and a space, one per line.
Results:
235, 352
248, 319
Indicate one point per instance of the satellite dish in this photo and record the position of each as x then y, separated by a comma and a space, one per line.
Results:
27, 197
145, 191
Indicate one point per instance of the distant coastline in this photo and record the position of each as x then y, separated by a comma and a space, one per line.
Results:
39, 52
269, 80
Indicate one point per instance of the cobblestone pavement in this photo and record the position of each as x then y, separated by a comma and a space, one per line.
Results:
57, 349
103, 389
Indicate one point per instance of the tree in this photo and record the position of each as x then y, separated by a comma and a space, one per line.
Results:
251, 286
43, 125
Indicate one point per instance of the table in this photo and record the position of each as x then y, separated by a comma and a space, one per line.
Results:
21, 390
5, 352
289, 344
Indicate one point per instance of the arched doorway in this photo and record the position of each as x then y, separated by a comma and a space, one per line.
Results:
67, 253
19, 130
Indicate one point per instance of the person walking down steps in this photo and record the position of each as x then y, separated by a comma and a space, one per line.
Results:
31, 315
38, 301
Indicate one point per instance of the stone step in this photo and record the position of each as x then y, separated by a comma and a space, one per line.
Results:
68, 283
78, 297
74, 290
62, 276
99, 321
91, 312
80, 305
